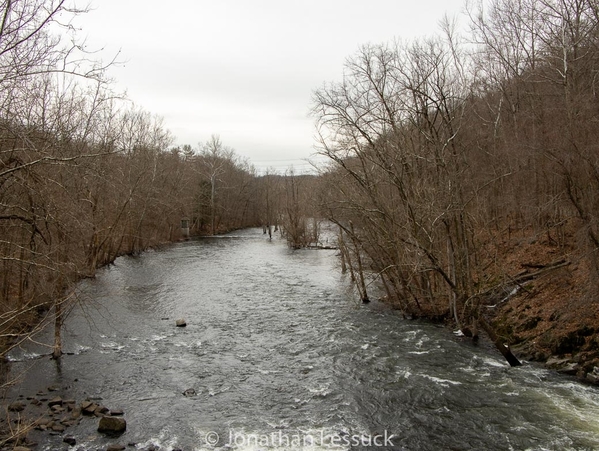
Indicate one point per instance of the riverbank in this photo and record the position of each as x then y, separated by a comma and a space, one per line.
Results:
552, 318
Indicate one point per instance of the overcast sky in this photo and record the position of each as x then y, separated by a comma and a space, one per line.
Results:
246, 69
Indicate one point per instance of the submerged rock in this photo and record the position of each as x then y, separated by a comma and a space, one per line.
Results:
189, 392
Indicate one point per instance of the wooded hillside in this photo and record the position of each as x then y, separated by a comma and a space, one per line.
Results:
448, 154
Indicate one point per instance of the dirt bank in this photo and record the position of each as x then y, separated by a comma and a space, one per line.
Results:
554, 316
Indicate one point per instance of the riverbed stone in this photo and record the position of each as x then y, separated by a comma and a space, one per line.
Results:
592, 378
112, 425
57, 409
115, 448
57, 401
88, 407
69, 440
116, 412
181, 322
57, 427
101, 411
76, 413
17, 406
570, 368
556, 363
44, 421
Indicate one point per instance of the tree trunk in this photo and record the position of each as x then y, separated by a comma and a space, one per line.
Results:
502, 347
361, 283
58, 319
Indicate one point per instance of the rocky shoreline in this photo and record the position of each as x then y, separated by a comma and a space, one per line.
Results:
47, 413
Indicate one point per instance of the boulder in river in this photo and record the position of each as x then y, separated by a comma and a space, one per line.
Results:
189, 392
112, 425
181, 322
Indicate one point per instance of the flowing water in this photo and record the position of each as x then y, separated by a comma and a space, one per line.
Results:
280, 356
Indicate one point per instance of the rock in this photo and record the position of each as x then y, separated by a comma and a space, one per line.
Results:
101, 411
21, 448
86, 404
555, 363
88, 407
57, 409
43, 421
181, 323
55, 402
58, 428
53, 388
189, 392
70, 440
570, 369
17, 406
592, 378
112, 425
36, 402
116, 412
76, 413
115, 448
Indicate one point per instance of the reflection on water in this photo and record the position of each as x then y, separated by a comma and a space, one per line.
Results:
277, 352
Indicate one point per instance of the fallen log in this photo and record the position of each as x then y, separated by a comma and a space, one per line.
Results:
502, 347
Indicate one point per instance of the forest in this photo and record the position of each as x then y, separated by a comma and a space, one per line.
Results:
462, 175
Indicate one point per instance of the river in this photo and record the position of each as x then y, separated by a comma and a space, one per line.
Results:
279, 354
